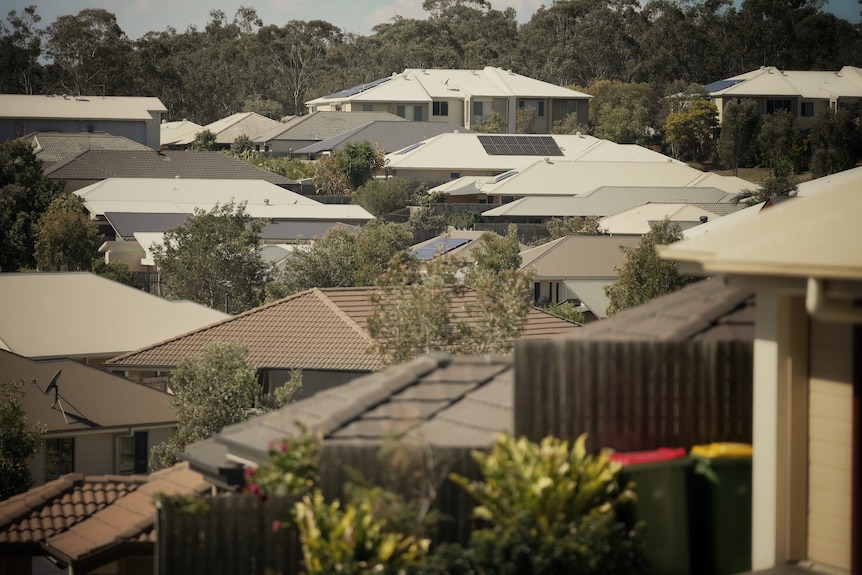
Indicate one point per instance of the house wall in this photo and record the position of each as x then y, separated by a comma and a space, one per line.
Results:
286, 146
313, 380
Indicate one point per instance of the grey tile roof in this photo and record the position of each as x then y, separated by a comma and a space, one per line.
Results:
104, 164
391, 135
322, 125
53, 147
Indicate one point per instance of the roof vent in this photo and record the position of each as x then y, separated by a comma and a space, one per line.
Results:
266, 201
704, 219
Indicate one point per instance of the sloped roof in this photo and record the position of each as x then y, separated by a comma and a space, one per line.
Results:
389, 135
320, 328
77, 314
171, 132
78, 107
578, 256
85, 398
813, 236
425, 85
150, 164
228, 129
80, 520
454, 244
51, 147
809, 84
708, 309
322, 125
639, 219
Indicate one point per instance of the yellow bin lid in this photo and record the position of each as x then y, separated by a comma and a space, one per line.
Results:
722, 450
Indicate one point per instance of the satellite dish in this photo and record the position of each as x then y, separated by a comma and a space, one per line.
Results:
53, 383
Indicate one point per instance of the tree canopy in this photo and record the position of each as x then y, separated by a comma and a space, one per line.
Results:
19, 440
68, 240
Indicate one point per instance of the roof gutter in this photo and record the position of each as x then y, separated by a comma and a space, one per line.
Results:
829, 310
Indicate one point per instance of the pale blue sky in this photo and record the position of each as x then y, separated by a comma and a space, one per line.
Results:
137, 17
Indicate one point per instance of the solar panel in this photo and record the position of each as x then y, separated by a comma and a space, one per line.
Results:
519, 145
438, 246
721, 85
409, 148
357, 89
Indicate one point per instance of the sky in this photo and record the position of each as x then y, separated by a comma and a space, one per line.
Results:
137, 17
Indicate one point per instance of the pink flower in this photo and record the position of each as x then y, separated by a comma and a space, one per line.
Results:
284, 447
276, 525
249, 472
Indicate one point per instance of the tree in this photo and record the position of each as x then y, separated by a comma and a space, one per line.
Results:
623, 112
25, 194
19, 440
690, 131
214, 259
496, 254
342, 258
836, 140
493, 124
644, 275
214, 389
68, 240
20, 49
780, 181
739, 134
116, 271
780, 140
356, 162
574, 226
381, 197
204, 141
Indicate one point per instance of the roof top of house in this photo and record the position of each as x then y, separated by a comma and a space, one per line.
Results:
228, 129
322, 125
452, 243
578, 257
639, 219
83, 398
83, 521
425, 85
78, 107
301, 331
435, 399
51, 147
810, 84
388, 134
815, 236
708, 309
79, 314
171, 132
95, 164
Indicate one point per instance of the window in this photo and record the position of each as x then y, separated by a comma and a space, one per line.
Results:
417, 113
59, 457
399, 111
454, 175
538, 106
440, 108
571, 107
773, 106
481, 109
132, 453
367, 108
808, 109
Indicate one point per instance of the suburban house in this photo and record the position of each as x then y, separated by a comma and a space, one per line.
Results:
134, 213
297, 333
802, 258
173, 132
91, 166
86, 317
802, 93
227, 130
79, 523
640, 219
576, 269
462, 97
95, 423
386, 135
52, 147
455, 244
135, 118
301, 131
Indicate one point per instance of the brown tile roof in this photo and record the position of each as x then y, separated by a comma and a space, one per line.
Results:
104, 164
708, 309
437, 398
322, 329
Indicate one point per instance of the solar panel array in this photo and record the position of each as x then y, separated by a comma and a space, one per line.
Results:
357, 89
439, 246
519, 145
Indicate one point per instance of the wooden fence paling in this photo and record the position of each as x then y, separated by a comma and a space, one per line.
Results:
634, 395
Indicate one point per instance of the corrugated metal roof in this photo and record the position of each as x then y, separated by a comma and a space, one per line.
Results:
578, 257
389, 135
322, 125
809, 84
127, 223
172, 132
77, 107
638, 220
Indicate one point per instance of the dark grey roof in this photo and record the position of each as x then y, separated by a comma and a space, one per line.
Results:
322, 125
126, 224
708, 309
390, 135
299, 230
103, 164
55, 146
438, 399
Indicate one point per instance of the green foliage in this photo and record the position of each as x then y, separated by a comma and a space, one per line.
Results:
19, 440
739, 131
552, 509
25, 195
292, 468
836, 140
217, 388
183, 504
117, 271
241, 146
780, 181
495, 123
326, 178
67, 239
204, 141
566, 310
495, 253
356, 162
690, 131
214, 259
341, 258
644, 275
574, 226
780, 140
381, 197
350, 540
623, 112
292, 168
525, 119
569, 125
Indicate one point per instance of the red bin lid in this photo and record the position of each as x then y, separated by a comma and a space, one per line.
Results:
652, 456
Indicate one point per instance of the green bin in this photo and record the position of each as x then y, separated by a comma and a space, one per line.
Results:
721, 508
661, 484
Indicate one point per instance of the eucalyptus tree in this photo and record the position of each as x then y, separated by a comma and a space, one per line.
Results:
21, 44
740, 126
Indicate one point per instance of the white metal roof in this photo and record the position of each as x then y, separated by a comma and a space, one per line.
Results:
94, 107
172, 132
770, 81
637, 220
79, 314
